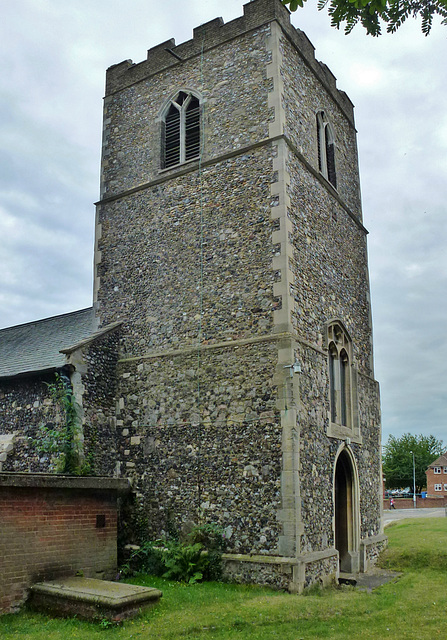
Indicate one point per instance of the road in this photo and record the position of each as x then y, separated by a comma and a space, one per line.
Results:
400, 514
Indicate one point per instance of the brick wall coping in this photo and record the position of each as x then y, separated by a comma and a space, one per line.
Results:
50, 481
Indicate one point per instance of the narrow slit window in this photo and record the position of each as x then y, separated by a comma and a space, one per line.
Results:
326, 149
344, 389
333, 361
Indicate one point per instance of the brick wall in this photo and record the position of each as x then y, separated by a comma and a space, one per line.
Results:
421, 503
52, 526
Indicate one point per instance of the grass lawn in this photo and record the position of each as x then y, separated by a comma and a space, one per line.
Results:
414, 607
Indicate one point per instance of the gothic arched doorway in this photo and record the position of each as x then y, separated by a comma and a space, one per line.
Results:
346, 513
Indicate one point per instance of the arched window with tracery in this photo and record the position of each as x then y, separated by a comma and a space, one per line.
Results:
181, 130
341, 377
326, 148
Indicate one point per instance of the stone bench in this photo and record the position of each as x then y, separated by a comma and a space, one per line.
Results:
92, 599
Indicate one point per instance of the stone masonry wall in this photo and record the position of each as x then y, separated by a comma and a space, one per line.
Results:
331, 281
202, 443
171, 276
25, 403
187, 258
96, 365
368, 458
328, 279
329, 267
234, 116
248, 243
317, 454
304, 96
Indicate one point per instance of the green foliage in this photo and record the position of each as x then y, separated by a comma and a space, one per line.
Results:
371, 14
185, 562
198, 557
105, 624
58, 438
212, 537
148, 558
315, 589
169, 559
398, 459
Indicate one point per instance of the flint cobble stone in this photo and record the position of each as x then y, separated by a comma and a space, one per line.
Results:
209, 442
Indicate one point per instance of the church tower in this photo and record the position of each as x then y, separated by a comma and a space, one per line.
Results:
230, 243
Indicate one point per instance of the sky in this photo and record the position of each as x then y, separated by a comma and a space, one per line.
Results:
54, 55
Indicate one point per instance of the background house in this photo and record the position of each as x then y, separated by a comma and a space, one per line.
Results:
437, 477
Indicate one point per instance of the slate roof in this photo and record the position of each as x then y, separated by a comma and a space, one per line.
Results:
440, 462
35, 346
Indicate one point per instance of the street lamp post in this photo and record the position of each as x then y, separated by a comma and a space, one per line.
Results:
414, 481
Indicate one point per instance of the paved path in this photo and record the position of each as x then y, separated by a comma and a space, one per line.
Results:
390, 515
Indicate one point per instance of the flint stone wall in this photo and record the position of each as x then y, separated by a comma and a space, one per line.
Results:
223, 242
25, 404
94, 385
317, 455
245, 570
368, 458
329, 266
132, 117
370, 551
202, 443
304, 96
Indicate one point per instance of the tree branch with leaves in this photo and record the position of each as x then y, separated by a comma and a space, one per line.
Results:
371, 14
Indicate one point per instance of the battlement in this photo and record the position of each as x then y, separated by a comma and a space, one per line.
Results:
216, 32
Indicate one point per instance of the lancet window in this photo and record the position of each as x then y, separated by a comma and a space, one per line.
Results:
326, 149
340, 376
181, 130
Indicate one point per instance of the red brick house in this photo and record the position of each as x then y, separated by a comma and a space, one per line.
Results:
437, 477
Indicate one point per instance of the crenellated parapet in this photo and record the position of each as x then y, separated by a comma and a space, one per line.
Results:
216, 32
